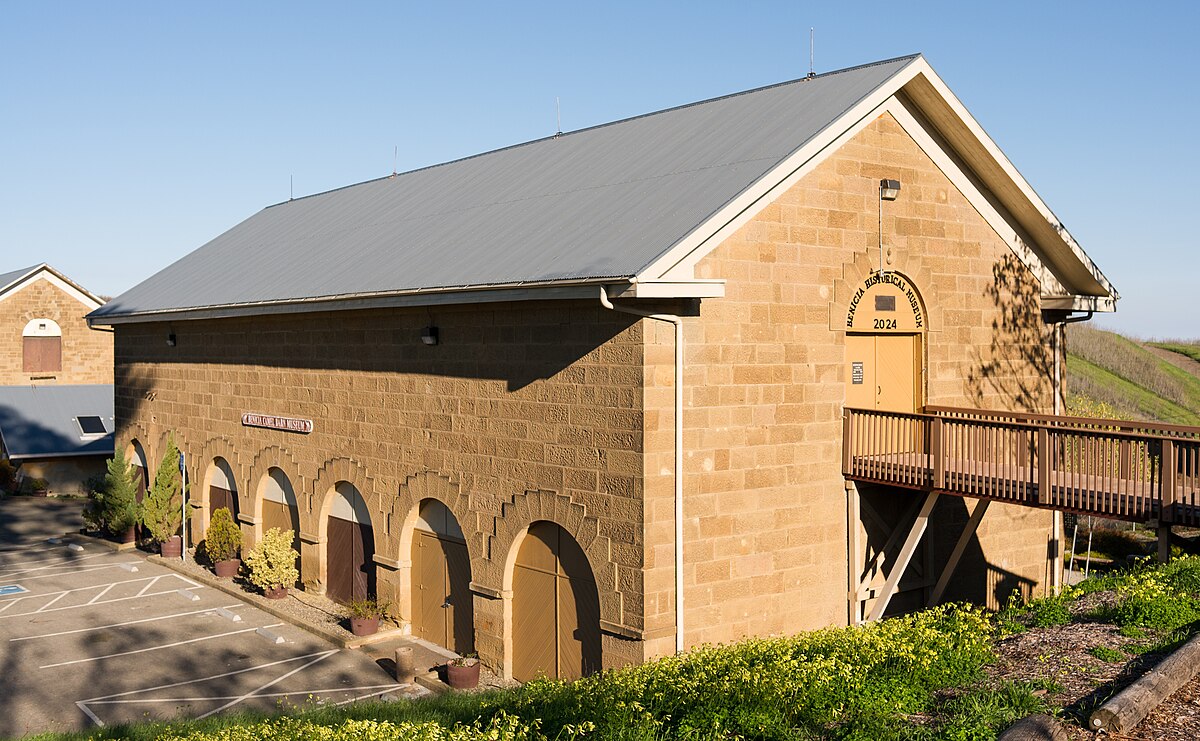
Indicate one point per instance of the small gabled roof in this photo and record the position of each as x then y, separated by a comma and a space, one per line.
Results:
17, 279
43, 421
623, 203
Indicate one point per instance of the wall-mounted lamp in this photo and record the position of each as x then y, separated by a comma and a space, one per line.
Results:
170, 339
429, 335
889, 189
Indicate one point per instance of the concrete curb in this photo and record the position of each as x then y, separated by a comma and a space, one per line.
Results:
80, 537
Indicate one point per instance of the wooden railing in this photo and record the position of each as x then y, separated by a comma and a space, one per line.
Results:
1121, 470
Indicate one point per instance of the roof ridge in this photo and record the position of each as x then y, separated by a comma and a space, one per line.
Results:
606, 124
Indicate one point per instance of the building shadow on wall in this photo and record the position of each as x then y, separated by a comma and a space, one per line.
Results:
1014, 372
976, 579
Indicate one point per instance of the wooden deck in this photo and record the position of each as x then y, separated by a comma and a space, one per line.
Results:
1118, 470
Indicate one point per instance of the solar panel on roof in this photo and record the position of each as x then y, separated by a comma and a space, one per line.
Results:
91, 425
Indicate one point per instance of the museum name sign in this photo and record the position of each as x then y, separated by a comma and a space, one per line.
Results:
271, 422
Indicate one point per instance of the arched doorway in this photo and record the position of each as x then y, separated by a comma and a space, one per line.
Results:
556, 608
222, 488
885, 327
135, 455
443, 612
279, 508
350, 547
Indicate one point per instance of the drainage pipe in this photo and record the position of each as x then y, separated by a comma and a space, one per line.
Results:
678, 322
1056, 517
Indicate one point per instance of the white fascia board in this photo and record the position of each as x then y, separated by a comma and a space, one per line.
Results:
49, 274
1079, 303
993, 151
672, 289
678, 263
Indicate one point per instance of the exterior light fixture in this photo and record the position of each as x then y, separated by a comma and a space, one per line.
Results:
170, 339
429, 335
889, 189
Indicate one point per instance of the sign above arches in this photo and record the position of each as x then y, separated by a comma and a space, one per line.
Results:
885, 302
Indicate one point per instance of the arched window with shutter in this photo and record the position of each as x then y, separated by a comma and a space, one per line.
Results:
42, 346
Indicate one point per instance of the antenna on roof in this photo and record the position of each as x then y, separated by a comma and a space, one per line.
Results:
557, 118
395, 154
291, 188
811, 47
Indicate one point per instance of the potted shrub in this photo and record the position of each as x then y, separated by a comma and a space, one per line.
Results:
223, 542
39, 486
364, 615
272, 564
162, 514
118, 501
463, 673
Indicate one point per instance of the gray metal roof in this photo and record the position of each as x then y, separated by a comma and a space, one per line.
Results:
40, 421
594, 204
7, 279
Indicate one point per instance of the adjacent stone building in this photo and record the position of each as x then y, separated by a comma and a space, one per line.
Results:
578, 403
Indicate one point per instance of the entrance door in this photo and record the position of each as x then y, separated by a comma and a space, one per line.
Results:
218, 498
882, 371
556, 609
441, 592
351, 568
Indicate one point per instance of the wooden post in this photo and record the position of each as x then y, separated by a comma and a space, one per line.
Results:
1043, 465
1135, 702
854, 554
906, 554
1168, 482
847, 467
1164, 543
936, 450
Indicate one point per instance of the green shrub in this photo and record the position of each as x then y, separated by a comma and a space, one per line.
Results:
368, 607
1117, 544
162, 508
273, 562
223, 541
500, 728
1152, 598
118, 501
37, 483
1048, 611
8, 476
1104, 653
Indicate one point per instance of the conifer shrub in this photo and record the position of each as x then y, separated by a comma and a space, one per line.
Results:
162, 507
118, 502
223, 541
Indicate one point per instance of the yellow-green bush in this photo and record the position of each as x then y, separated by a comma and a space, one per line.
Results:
500, 728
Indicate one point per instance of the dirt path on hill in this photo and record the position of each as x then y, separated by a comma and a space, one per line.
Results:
1179, 361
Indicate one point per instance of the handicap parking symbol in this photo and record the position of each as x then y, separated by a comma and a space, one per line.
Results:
6, 589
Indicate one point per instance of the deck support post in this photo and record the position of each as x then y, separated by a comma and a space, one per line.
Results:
1168, 472
959, 548
1164, 542
906, 553
854, 553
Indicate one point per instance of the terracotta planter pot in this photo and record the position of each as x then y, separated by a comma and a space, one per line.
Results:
227, 569
128, 536
364, 626
41, 492
277, 592
172, 547
462, 677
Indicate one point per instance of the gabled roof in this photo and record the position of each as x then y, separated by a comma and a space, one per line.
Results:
18, 279
624, 203
42, 421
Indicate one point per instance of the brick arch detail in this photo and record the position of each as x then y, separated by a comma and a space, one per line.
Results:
534, 506
910, 265
215, 447
135, 431
314, 516
401, 520
274, 456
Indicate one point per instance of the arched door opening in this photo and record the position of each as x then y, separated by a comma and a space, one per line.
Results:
135, 455
556, 608
350, 547
279, 508
885, 328
443, 612
222, 488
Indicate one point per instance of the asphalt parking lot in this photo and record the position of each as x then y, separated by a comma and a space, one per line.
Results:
92, 637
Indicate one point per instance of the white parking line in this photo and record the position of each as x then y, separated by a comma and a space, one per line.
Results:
155, 648
272, 683
56, 563
386, 688
72, 572
110, 699
128, 622
147, 587
101, 602
364, 697
56, 599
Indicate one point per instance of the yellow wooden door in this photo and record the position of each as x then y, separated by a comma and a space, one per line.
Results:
882, 372
860, 371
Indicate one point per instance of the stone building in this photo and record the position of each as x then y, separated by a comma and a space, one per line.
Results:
56, 373
578, 402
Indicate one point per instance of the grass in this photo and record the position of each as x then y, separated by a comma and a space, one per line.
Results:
1131, 400
1187, 349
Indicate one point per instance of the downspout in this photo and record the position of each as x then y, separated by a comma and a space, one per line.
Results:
678, 322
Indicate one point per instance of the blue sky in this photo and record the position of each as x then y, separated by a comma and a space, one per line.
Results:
133, 132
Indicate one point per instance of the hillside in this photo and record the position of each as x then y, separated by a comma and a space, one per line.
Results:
1158, 381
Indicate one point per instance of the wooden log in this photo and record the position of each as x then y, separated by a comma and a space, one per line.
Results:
1035, 728
1135, 702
